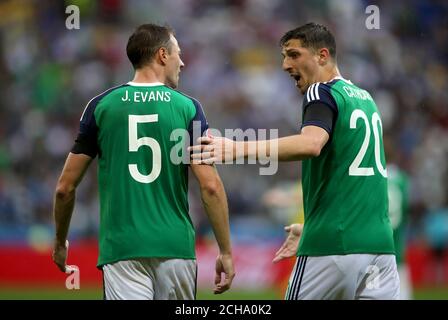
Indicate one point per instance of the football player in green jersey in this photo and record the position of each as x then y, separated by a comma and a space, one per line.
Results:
398, 186
146, 236
346, 248
399, 183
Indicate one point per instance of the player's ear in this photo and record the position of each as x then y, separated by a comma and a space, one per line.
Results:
162, 55
323, 56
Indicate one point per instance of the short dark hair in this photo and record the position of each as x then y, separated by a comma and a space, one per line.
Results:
312, 35
145, 41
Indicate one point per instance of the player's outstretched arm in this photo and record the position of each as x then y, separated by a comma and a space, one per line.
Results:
307, 144
215, 204
291, 244
64, 201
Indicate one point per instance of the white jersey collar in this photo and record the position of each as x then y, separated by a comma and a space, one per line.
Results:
340, 78
145, 84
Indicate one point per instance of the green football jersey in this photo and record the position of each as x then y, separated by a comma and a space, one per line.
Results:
139, 132
345, 187
398, 186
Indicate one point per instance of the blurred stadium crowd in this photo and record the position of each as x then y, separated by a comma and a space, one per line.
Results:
233, 66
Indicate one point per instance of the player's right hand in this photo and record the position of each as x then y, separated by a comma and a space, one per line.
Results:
291, 244
224, 264
60, 255
211, 150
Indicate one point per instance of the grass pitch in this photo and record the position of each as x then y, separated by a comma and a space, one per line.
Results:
42, 293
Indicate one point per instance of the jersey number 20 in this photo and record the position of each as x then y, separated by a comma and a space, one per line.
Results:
135, 143
355, 169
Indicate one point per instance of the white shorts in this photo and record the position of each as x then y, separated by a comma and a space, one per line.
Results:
348, 277
150, 279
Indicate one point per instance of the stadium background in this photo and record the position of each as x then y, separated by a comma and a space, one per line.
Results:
233, 66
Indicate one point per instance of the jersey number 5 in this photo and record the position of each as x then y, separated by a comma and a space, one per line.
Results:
355, 169
135, 143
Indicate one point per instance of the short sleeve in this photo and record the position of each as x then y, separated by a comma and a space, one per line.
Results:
198, 125
86, 141
319, 93
319, 115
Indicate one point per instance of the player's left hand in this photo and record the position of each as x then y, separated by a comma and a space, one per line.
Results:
210, 150
224, 264
291, 244
60, 255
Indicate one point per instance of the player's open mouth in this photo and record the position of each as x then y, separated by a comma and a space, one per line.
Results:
297, 78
